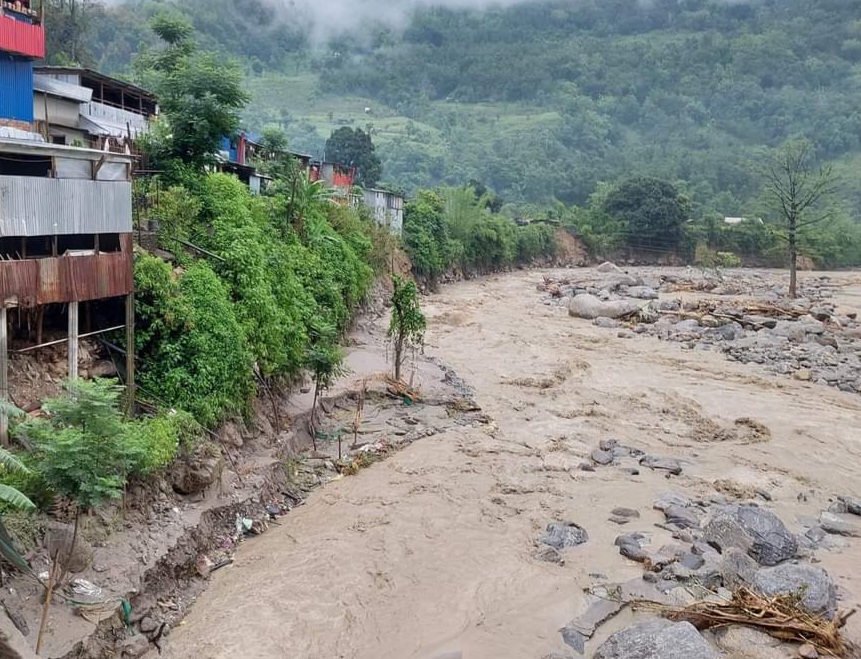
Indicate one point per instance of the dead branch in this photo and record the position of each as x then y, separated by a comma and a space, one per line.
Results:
780, 617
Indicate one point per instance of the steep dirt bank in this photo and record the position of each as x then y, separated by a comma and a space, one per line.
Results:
432, 552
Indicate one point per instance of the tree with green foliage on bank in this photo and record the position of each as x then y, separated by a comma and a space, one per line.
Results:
200, 95
652, 212
454, 229
408, 323
353, 147
325, 361
797, 189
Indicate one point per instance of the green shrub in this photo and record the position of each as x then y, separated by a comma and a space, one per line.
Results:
161, 438
727, 260
84, 449
252, 298
194, 352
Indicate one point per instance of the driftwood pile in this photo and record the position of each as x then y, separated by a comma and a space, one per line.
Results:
780, 617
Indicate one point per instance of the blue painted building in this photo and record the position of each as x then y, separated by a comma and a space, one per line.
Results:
16, 88
22, 40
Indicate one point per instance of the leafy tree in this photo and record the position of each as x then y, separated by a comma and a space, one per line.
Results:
408, 324
68, 28
354, 148
426, 235
84, 451
82, 447
652, 211
273, 141
194, 351
325, 360
200, 95
797, 189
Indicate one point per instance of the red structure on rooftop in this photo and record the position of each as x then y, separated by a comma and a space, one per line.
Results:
21, 30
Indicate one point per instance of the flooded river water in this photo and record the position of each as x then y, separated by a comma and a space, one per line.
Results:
430, 553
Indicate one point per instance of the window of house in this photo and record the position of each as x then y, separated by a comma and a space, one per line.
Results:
14, 164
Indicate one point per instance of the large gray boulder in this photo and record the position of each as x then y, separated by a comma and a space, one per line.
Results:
195, 474
740, 641
609, 268
813, 586
642, 292
757, 531
797, 330
590, 307
737, 569
657, 639
839, 525
560, 535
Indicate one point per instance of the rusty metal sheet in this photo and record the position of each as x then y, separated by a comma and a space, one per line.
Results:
35, 282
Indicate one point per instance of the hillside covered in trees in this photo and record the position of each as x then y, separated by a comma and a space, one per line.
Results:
541, 101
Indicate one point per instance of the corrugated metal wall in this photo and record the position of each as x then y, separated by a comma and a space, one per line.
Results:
16, 88
31, 206
22, 38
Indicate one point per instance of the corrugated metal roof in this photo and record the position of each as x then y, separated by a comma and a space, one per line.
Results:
32, 206
9, 133
69, 71
61, 89
43, 149
16, 88
113, 129
22, 38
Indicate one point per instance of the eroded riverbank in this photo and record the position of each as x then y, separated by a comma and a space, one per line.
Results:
432, 552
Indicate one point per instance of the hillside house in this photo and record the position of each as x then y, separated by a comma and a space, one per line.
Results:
387, 208
240, 155
65, 213
85, 108
338, 177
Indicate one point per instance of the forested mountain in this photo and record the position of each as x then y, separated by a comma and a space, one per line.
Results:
543, 100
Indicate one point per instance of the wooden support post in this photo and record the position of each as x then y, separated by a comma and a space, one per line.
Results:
73, 340
130, 354
4, 378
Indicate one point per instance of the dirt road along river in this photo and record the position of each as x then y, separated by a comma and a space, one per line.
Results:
430, 553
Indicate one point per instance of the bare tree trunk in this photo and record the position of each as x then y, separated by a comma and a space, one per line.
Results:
59, 569
53, 578
399, 356
313, 417
793, 260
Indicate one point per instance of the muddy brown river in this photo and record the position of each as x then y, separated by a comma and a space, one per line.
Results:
429, 554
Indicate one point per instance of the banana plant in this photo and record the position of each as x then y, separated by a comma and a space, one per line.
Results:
10, 497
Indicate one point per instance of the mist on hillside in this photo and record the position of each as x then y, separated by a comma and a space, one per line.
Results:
325, 20
339, 16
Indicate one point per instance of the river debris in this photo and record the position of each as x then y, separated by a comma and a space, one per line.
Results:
782, 617
743, 314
